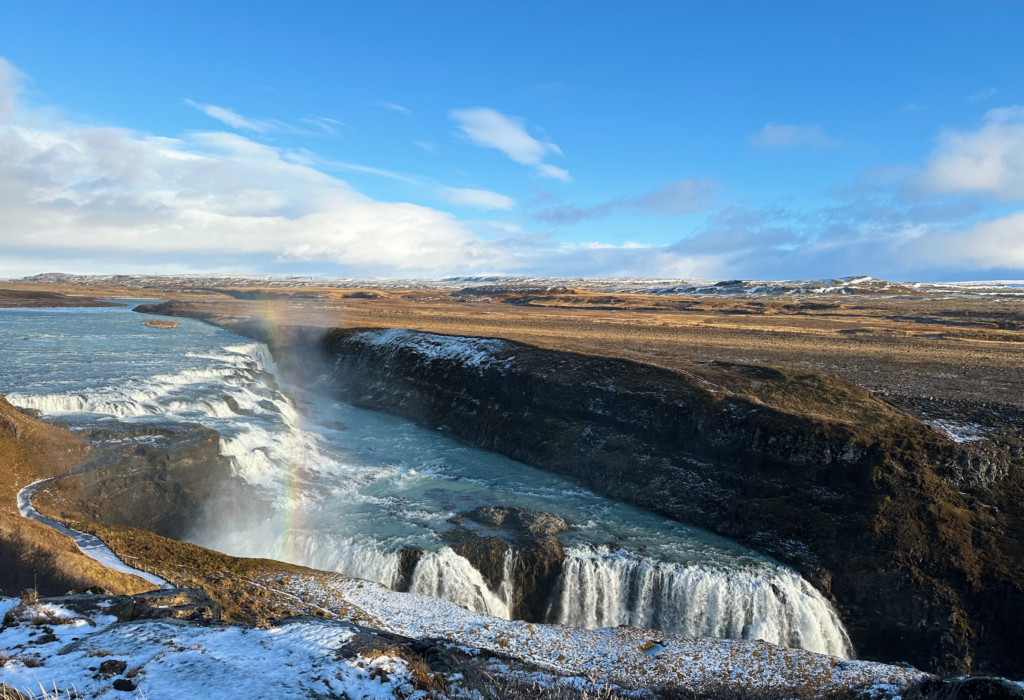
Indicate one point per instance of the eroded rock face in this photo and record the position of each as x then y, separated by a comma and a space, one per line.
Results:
408, 558
155, 478
529, 536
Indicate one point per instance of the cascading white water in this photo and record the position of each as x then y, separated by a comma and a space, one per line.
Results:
599, 588
445, 574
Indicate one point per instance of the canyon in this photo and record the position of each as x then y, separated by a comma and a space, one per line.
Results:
896, 496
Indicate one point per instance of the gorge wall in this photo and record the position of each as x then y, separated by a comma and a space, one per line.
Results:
810, 469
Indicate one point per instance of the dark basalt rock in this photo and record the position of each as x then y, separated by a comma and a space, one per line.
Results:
177, 603
408, 558
538, 555
913, 536
969, 688
160, 478
113, 667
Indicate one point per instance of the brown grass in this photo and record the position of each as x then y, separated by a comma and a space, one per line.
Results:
248, 590
942, 348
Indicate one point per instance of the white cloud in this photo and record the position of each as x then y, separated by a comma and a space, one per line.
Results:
427, 146
997, 244
988, 161
478, 199
983, 95
325, 124
491, 129
10, 85
91, 188
386, 104
232, 118
779, 136
673, 199
553, 172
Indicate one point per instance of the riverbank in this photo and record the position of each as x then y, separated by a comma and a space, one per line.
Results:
20, 299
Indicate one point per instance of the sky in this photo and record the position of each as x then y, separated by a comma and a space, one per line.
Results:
751, 140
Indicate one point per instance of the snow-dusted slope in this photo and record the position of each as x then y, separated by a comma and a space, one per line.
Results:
624, 655
176, 660
629, 285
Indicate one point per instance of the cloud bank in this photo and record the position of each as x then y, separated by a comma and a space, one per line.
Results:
989, 161
674, 199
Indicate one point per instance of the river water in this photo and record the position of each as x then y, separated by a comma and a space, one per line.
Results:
344, 489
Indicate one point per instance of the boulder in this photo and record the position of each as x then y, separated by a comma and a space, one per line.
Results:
529, 536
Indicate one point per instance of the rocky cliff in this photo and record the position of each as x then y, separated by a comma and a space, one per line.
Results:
869, 503
31, 554
162, 479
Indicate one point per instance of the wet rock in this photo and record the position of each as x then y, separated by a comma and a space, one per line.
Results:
124, 684
269, 405
965, 688
522, 523
408, 558
529, 537
235, 408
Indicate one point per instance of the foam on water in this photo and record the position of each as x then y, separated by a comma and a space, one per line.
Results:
346, 489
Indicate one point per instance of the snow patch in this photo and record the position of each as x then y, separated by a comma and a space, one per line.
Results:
89, 545
472, 352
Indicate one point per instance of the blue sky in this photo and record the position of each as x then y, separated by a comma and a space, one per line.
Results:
733, 139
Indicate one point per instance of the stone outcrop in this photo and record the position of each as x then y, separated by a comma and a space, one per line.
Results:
529, 537
159, 478
176, 603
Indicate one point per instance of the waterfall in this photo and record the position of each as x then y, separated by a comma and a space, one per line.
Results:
599, 588
445, 574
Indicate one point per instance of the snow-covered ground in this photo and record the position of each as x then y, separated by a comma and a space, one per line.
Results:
48, 647
176, 660
623, 655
